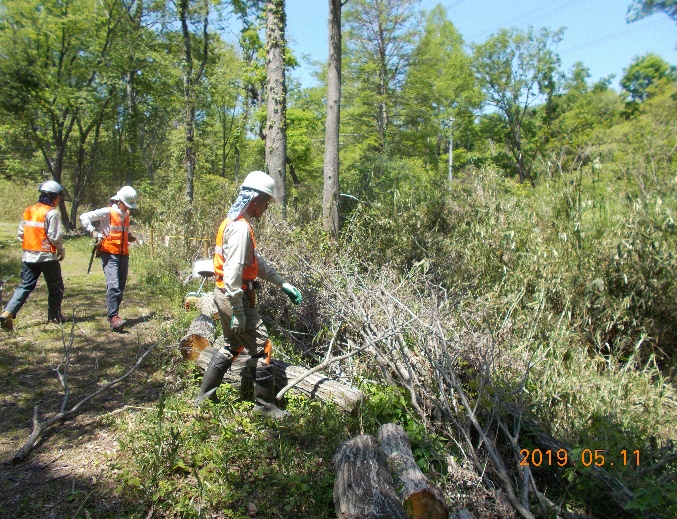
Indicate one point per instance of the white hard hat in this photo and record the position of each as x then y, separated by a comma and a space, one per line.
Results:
50, 187
261, 182
128, 196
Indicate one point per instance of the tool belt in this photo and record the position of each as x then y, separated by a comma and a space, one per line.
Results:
249, 288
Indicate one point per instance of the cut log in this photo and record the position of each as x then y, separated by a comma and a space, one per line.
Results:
363, 488
316, 385
199, 336
422, 499
207, 306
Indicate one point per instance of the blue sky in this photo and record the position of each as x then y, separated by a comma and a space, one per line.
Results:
596, 31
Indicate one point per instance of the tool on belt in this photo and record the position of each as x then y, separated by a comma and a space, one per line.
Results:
96, 252
252, 287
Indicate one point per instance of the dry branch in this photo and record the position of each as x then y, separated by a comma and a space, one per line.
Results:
316, 385
329, 360
420, 351
39, 428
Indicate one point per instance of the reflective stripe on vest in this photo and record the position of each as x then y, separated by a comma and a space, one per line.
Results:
117, 241
248, 273
35, 235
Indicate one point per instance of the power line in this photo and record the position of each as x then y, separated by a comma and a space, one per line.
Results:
529, 17
610, 37
454, 4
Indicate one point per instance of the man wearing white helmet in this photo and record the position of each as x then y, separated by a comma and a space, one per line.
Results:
40, 233
237, 264
114, 239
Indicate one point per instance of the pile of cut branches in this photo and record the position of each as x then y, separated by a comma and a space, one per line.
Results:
414, 334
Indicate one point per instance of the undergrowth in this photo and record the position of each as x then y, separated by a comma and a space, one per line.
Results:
574, 278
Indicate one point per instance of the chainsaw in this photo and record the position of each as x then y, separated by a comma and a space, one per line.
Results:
96, 252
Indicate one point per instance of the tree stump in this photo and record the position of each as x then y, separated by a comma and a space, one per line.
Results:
363, 488
200, 335
316, 385
422, 499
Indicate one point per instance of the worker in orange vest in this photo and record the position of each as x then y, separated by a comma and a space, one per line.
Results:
237, 265
40, 232
114, 238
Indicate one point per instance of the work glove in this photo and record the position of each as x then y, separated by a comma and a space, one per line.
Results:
61, 254
238, 321
96, 235
292, 293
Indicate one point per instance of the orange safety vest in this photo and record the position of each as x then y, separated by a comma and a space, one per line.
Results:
117, 241
35, 235
249, 273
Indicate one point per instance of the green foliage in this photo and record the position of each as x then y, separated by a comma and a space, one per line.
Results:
16, 196
642, 8
516, 71
221, 458
575, 272
440, 85
379, 37
643, 72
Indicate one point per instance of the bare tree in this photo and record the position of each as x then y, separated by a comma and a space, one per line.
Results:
330, 215
276, 104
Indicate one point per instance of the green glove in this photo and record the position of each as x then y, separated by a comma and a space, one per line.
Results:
293, 293
238, 321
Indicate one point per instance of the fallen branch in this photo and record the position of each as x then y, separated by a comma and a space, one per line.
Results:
329, 360
39, 428
314, 385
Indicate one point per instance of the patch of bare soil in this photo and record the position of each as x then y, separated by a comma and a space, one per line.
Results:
68, 473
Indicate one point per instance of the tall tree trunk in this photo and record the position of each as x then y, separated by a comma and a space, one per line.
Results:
84, 168
61, 128
276, 103
130, 127
224, 141
190, 82
330, 215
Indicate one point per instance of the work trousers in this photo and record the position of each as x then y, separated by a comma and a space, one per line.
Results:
115, 268
255, 336
30, 272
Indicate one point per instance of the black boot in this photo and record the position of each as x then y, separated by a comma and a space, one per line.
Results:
264, 393
213, 377
247, 377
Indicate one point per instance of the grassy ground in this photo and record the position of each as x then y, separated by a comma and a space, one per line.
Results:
69, 474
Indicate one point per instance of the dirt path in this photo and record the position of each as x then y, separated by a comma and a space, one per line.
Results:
69, 474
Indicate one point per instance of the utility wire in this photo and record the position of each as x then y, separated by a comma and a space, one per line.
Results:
530, 17
610, 37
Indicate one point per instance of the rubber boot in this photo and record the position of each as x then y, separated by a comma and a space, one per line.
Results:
213, 377
264, 393
247, 377
7, 321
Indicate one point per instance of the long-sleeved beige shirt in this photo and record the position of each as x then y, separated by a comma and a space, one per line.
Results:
99, 215
54, 232
238, 253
